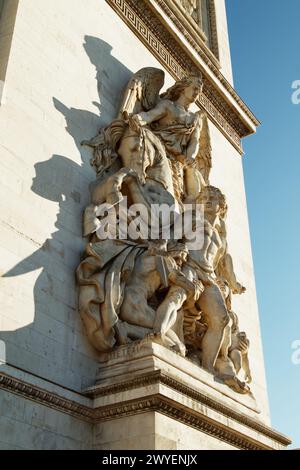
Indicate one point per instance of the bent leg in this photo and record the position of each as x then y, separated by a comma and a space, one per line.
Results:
166, 313
176, 334
125, 332
213, 306
135, 309
236, 357
226, 341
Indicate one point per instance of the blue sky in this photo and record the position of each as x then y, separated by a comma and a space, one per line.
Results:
265, 48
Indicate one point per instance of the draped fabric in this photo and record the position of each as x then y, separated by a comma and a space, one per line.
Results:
102, 277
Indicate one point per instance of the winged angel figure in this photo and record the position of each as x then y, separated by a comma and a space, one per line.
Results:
155, 133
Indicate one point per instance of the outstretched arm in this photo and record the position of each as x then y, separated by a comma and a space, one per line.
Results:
144, 118
193, 147
227, 265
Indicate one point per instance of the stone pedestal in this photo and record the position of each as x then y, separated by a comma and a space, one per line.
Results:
148, 397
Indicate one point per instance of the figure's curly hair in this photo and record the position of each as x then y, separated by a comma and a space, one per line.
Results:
213, 191
175, 91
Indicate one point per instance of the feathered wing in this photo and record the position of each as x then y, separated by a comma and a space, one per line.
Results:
131, 97
91, 223
142, 91
204, 159
141, 94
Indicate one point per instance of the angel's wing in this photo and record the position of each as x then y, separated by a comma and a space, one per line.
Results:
142, 91
203, 159
91, 223
131, 97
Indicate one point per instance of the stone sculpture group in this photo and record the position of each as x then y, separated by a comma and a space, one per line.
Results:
157, 151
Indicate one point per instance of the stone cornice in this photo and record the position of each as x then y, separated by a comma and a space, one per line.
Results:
205, 53
44, 397
155, 402
168, 407
191, 31
159, 377
222, 104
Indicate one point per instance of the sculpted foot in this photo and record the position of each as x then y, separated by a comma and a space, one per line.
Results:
209, 368
237, 385
121, 333
161, 338
180, 348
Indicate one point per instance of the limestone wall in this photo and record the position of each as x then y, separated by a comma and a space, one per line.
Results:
223, 40
227, 174
139, 435
27, 424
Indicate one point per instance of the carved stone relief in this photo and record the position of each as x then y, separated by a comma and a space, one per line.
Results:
157, 151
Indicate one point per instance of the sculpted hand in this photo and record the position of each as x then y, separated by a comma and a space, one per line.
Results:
238, 289
199, 288
189, 161
134, 122
206, 278
181, 158
248, 377
194, 290
186, 161
178, 278
243, 342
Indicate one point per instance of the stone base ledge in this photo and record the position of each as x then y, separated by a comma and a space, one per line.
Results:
147, 383
144, 357
147, 377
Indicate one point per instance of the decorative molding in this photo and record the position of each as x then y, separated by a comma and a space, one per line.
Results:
192, 32
156, 402
46, 398
213, 28
160, 404
169, 50
202, 51
157, 377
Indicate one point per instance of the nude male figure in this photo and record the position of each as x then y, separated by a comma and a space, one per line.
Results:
217, 339
147, 279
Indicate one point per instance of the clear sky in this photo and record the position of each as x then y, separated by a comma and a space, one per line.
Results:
265, 47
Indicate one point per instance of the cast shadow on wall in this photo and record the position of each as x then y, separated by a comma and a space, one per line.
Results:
65, 182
